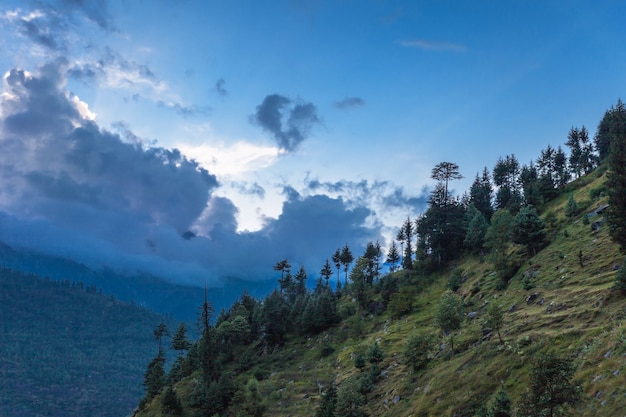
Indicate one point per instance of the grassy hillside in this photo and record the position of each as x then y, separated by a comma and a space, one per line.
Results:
66, 350
560, 300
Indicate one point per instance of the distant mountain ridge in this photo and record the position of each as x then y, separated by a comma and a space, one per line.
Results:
146, 290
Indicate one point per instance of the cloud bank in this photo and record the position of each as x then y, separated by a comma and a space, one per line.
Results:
71, 188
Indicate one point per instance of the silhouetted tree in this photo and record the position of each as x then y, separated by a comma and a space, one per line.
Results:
285, 275
337, 262
393, 257
608, 127
160, 332
445, 172
407, 232
180, 343
506, 177
481, 194
326, 272
346, 260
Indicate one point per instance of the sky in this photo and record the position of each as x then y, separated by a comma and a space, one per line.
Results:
203, 141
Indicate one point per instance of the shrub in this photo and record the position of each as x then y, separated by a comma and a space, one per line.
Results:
417, 351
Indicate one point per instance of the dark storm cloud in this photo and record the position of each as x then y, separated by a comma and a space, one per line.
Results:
288, 121
350, 103
104, 198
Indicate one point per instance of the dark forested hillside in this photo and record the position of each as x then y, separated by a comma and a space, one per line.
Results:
68, 350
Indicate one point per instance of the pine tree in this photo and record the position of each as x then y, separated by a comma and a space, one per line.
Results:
552, 388
179, 340
326, 272
350, 399
285, 275
417, 351
501, 405
529, 229
393, 257
337, 262
616, 181
160, 332
481, 194
346, 260
613, 118
375, 354
620, 279
170, 403
300, 281
407, 230
450, 315
506, 177
328, 403
571, 208
444, 172
154, 378
576, 153
476, 231
498, 238
495, 318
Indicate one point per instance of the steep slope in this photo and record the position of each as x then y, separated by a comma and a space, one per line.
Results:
68, 350
560, 300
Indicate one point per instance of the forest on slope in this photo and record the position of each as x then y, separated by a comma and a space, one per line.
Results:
505, 303
68, 350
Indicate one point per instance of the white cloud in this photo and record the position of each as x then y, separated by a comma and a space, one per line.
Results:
231, 160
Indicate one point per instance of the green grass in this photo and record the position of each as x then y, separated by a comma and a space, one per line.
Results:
576, 313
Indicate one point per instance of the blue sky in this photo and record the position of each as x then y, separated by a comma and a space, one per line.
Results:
282, 128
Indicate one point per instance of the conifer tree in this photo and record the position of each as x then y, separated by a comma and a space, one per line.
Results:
552, 388
450, 315
616, 181
498, 238
571, 208
613, 118
170, 403
346, 260
393, 257
337, 262
481, 194
476, 231
326, 272
407, 231
501, 405
529, 229
179, 340
329, 402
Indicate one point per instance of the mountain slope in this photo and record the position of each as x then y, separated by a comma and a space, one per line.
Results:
561, 300
68, 350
